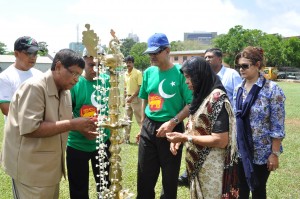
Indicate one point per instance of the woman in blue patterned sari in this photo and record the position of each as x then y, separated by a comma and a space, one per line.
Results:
260, 114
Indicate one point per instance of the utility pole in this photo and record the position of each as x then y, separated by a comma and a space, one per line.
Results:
77, 45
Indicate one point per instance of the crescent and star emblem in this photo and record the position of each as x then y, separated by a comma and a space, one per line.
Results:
94, 102
161, 91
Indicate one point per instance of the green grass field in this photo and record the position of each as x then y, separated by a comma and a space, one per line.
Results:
282, 184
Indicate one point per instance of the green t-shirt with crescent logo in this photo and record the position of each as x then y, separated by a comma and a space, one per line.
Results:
166, 92
84, 103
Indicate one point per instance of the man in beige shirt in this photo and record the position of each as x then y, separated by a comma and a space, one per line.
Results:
133, 104
39, 117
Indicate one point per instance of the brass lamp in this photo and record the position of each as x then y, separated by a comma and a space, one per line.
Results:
112, 60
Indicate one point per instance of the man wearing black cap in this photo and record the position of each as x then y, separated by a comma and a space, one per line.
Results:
165, 103
25, 51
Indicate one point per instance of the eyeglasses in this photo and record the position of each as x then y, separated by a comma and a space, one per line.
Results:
209, 57
74, 74
158, 52
91, 64
243, 66
30, 54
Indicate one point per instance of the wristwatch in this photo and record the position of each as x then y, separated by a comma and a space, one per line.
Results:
190, 139
176, 120
277, 153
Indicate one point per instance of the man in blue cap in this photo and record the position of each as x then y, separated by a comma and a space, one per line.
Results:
166, 100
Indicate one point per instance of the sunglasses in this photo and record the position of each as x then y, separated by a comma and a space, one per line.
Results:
30, 54
243, 66
209, 57
158, 52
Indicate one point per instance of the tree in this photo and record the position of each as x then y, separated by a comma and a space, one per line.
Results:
232, 42
140, 61
273, 51
2, 48
126, 46
177, 46
291, 49
188, 45
43, 48
238, 38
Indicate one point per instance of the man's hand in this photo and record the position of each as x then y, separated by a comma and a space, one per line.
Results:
165, 128
130, 99
90, 135
137, 138
85, 126
4, 108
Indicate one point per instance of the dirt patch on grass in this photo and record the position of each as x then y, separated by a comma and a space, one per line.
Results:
294, 122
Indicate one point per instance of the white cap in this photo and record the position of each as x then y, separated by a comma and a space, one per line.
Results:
100, 51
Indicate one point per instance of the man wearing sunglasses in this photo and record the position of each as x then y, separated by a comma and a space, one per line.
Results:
166, 100
25, 51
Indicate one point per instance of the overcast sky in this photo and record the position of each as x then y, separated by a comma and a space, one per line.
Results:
56, 21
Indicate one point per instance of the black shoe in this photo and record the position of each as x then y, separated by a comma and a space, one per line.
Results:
183, 181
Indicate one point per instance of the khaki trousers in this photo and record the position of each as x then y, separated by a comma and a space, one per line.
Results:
22, 191
135, 107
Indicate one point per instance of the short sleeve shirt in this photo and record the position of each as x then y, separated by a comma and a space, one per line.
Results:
166, 92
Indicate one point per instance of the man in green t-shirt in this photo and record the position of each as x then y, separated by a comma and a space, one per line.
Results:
166, 100
82, 148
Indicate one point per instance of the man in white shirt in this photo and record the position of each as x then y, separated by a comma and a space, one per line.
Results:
229, 77
25, 51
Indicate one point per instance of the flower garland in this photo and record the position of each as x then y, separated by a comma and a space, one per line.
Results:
102, 90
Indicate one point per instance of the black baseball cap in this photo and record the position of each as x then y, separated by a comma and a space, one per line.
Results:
26, 43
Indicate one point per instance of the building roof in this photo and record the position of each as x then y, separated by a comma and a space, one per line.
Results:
187, 52
12, 59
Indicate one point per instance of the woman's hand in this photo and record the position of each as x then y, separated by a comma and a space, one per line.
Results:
176, 137
273, 162
174, 147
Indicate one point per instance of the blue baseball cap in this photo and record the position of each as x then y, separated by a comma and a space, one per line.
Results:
155, 42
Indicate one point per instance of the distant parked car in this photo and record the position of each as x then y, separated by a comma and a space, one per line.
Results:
291, 76
281, 75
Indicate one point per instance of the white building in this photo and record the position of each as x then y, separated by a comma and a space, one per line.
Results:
134, 37
42, 63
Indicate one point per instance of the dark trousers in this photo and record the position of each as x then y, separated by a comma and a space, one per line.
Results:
78, 171
262, 174
154, 154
